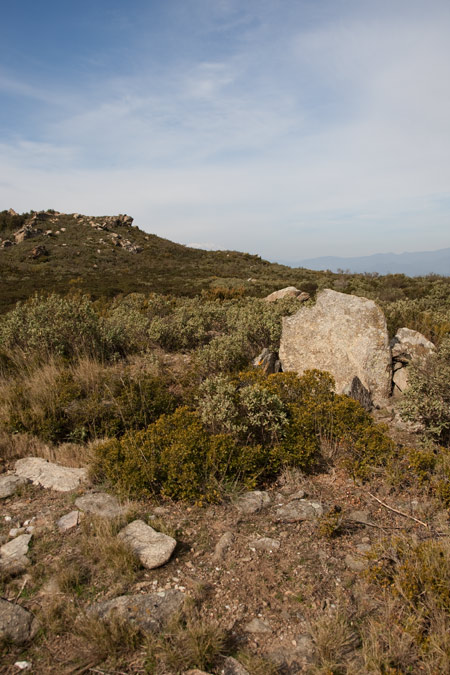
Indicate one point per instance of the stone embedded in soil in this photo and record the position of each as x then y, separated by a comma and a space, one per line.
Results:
299, 494
69, 521
13, 555
298, 510
9, 484
16, 623
149, 612
355, 564
265, 544
100, 504
252, 502
222, 546
49, 475
151, 547
195, 671
358, 516
233, 667
257, 626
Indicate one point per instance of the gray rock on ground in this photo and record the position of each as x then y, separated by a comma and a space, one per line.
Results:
257, 626
288, 292
151, 547
408, 346
9, 483
49, 475
17, 624
148, 612
265, 544
222, 546
344, 335
233, 667
13, 555
252, 502
298, 510
69, 521
100, 504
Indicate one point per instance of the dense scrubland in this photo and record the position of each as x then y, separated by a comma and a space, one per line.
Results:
156, 392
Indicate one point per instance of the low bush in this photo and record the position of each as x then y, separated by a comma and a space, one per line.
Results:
52, 325
427, 398
176, 457
81, 401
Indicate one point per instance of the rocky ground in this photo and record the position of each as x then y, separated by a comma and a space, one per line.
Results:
262, 568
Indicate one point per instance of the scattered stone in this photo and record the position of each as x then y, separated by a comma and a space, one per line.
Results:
9, 484
100, 504
149, 612
49, 475
69, 521
358, 516
257, 626
160, 510
16, 623
23, 665
408, 346
233, 667
13, 555
300, 494
288, 292
38, 252
152, 548
355, 564
195, 671
345, 335
252, 502
268, 362
15, 531
265, 544
222, 546
298, 510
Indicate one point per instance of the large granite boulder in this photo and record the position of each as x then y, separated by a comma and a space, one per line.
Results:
345, 335
408, 346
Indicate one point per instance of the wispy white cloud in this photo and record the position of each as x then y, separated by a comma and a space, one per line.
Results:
320, 131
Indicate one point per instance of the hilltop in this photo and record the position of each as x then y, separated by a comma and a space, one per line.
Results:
108, 255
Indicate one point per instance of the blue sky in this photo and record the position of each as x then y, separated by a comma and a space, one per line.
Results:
287, 128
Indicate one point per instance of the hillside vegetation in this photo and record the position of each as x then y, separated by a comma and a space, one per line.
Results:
343, 565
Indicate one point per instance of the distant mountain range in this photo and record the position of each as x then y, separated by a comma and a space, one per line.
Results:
411, 264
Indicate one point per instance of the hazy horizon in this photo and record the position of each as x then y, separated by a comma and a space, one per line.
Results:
268, 126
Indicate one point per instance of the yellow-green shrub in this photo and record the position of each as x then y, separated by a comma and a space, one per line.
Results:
177, 458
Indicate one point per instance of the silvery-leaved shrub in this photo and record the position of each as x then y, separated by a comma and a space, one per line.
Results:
427, 398
55, 325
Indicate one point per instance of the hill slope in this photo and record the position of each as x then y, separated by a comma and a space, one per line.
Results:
105, 256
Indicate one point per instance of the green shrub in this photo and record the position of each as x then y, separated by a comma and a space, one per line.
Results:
176, 457
59, 326
427, 398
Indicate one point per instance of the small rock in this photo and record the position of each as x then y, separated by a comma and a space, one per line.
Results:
354, 564
265, 544
15, 531
257, 626
16, 623
149, 612
298, 510
13, 555
49, 475
300, 494
152, 548
363, 548
252, 502
222, 546
23, 665
69, 521
9, 484
358, 516
161, 511
233, 667
100, 504
195, 671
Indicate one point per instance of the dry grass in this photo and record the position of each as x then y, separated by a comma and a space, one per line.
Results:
335, 639
188, 641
